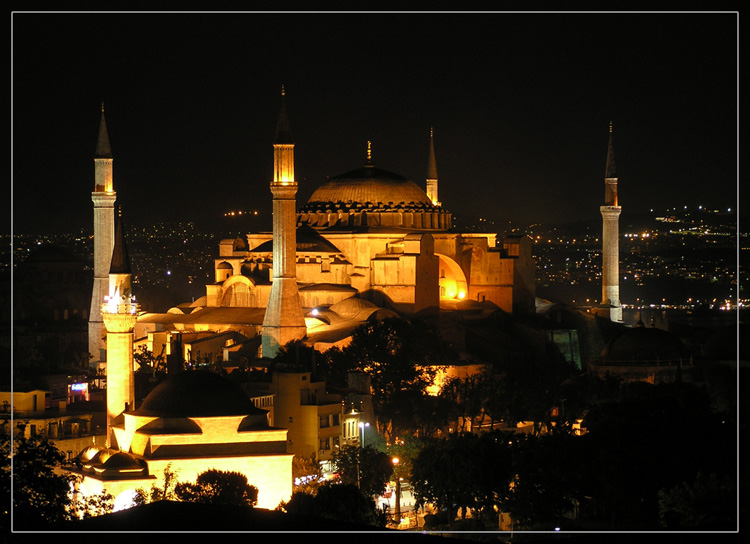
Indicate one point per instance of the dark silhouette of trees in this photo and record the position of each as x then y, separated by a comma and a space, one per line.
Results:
400, 357
219, 487
342, 502
42, 494
708, 502
464, 471
365, 468
657, 437
547, 480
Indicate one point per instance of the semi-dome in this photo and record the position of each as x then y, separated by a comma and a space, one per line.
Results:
371, 185
350, 307
197, 393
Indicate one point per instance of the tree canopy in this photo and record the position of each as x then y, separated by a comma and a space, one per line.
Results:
43, 495
400, 357
218, 487
342, 502
365, 468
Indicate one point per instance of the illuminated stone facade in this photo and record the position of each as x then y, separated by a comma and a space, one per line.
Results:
376, 235
192, 422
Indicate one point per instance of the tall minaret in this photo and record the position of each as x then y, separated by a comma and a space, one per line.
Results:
284, 320
611, 240
119, 313
104, 230
432, 177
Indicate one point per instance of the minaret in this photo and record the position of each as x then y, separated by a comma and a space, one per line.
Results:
611, 240
104, 229
284, 320
119, 313
432, 177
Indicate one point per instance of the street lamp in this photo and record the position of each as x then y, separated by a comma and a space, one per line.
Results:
362, 427
395, 461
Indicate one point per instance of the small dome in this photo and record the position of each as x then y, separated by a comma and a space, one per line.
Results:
89, 453
370, 185
224, 266
122, 461
645, 345
197, 393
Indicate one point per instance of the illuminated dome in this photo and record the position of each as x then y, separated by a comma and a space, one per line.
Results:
371, 185
371, 198
89, 453
123, 462
197, 394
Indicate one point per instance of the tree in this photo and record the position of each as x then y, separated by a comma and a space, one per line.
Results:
148, 362
365, 468
88, 507
708, 503
400, 357
307, 474
156, 493
545, 479
211, 487
464, 471
40, 495
219, 487
43, 494
340, 502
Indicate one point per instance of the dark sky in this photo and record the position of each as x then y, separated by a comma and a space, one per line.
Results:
520, 105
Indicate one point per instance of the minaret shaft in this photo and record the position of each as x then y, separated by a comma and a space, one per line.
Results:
284, 320
120, 323
611, 240
432, 177
103, 198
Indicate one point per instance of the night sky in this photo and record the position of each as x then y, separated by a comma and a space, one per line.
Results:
520, 105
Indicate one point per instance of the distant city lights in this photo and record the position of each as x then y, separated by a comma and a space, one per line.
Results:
234, 213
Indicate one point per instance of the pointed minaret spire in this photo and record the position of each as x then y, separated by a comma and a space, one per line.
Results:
283, 132
120, 263
610, 171
103, 151
432, 177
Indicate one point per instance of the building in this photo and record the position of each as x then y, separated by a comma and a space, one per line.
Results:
192, 422
368, 234
646, 354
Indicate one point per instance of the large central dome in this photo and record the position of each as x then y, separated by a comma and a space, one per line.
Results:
370, 185
371, 198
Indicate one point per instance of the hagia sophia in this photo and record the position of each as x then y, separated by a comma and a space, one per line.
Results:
367, 245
